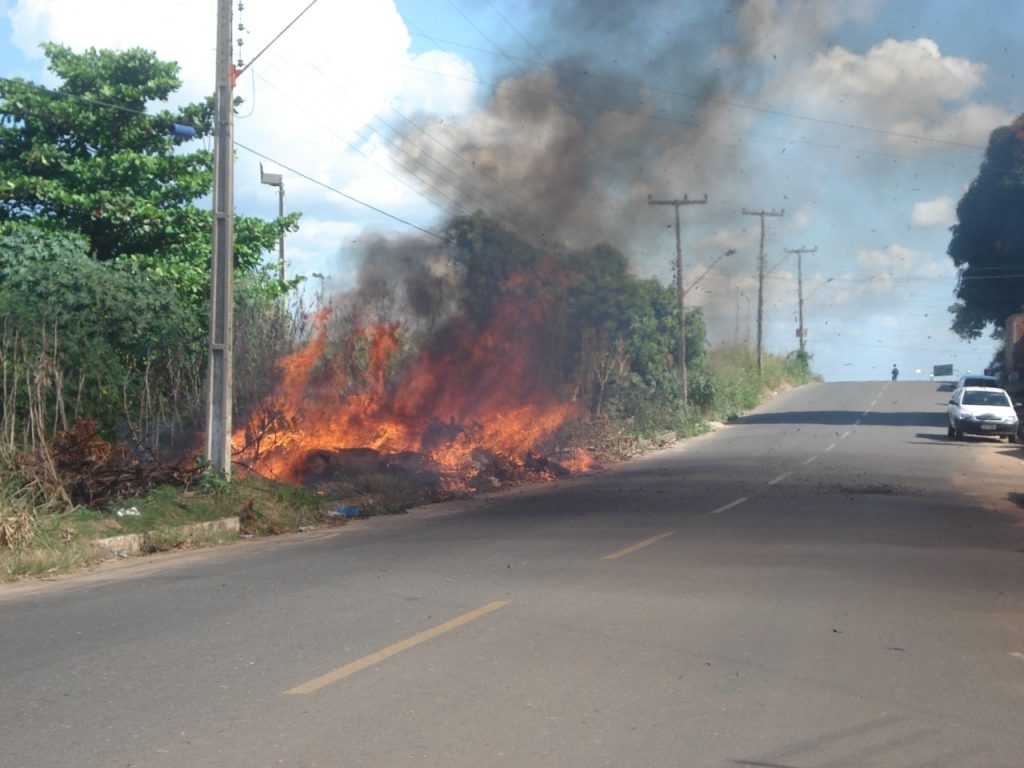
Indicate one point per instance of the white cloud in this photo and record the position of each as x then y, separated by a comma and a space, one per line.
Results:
439, 83
317, 245
772, 31
724, 239
898, 261
176, 36
937, 213
311, 101
902, 87
886, 277
971, 124
915, 71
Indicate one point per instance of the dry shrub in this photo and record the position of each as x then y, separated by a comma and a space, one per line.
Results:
16, 530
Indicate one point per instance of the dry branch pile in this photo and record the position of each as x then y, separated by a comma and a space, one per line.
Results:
89, 470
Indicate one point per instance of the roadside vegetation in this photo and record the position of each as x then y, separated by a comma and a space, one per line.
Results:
987, 243
43, 535
103, 294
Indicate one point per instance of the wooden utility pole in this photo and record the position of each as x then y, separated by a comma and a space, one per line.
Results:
680, 289
760, 287
800, 331
219, 380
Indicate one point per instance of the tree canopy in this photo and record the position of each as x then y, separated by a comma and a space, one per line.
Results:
988, 240
87, 157
613, 336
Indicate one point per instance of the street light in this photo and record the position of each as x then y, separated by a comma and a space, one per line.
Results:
818, 288
275, 180
320, 294
711, 266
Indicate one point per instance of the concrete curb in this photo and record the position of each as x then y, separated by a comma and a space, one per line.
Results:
130, 544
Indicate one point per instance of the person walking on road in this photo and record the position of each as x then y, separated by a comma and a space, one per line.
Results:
895, 372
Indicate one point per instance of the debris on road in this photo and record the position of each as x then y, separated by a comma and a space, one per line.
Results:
344, 512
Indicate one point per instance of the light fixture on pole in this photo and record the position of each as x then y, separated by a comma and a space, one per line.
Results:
275, 180
320, 293
710, 266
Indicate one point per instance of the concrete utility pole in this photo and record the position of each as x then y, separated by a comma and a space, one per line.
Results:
219, 398
219, 380
680, 289
800, 290
760, 287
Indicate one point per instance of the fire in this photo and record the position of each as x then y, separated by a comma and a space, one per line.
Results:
470, 396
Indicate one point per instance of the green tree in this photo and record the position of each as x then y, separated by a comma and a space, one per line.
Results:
610, 337
988, 240
118, 343
627, 331
115, 267
88, 157
490, 256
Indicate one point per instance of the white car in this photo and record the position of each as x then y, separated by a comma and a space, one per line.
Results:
982, 411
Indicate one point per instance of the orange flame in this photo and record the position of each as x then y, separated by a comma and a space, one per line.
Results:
471, 390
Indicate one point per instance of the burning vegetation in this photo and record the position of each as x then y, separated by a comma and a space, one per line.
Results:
466, 365
490, 357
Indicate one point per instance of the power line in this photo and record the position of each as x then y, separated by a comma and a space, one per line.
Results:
555, 99
522, 37
143, 113
907, 278
482, 34
702, 99
339, 192
78, 97
522, 210
858, 152
447, 170
236, 73
354, 148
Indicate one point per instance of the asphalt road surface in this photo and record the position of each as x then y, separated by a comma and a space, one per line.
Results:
830, 581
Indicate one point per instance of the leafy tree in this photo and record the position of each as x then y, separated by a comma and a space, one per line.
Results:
114, 268
627, 329
88, 158
490, 256
611, 337
988, 241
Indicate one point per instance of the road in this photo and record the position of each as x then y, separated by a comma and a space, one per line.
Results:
830, 581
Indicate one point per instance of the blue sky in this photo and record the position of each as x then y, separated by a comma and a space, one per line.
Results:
863, 121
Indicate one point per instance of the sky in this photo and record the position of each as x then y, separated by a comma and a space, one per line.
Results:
862, 123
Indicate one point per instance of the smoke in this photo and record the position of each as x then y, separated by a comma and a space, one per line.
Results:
602, 105
594, 108
405, 279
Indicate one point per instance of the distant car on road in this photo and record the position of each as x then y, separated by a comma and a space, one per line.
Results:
982, 411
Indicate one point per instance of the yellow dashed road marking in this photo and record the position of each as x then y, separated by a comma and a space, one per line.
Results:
368, 661
639, 545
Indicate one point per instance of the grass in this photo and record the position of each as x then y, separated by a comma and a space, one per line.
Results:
739, 388
44, 542
54, 543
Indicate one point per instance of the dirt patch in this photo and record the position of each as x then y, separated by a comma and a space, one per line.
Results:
996, 479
